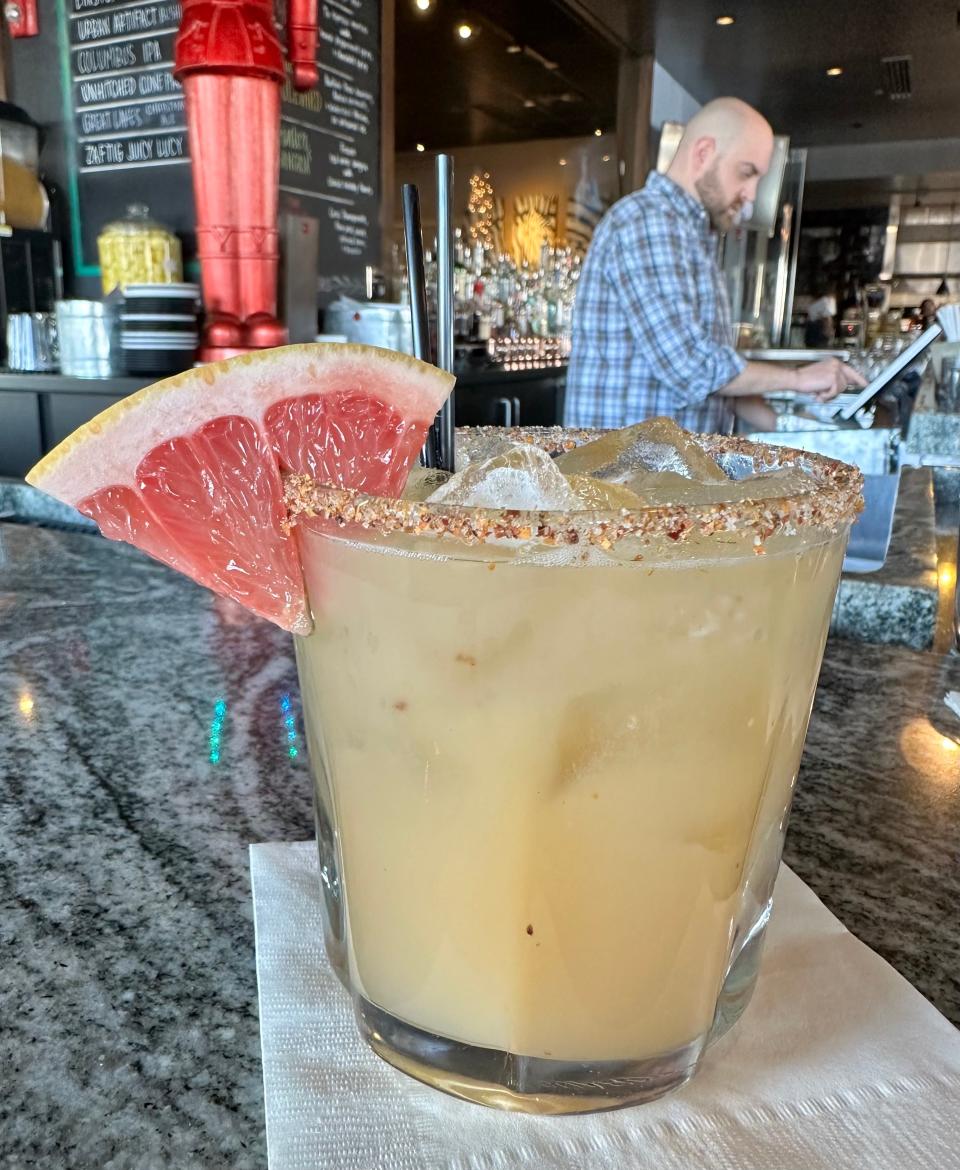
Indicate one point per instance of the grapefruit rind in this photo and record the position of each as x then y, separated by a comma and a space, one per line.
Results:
108, 449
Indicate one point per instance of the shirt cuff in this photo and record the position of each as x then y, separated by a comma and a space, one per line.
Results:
723, 366
732, 365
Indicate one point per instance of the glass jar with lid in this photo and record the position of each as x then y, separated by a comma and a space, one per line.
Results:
138, 250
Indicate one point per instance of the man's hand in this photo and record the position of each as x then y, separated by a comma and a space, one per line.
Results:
825, 380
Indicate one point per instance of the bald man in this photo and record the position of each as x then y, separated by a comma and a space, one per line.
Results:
652, 333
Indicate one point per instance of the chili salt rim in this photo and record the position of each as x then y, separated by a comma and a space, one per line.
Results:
836, 500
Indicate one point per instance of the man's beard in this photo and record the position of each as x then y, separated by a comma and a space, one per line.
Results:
723, 214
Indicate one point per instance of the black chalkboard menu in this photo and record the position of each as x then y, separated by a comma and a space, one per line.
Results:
330, 146
129, 124
129, 139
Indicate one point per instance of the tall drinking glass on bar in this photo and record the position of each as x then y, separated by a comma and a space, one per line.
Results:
554, 754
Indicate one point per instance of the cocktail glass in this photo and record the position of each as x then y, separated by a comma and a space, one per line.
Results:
553, 757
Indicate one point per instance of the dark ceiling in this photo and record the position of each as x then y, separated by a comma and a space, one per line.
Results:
777, 53
461, 93
829, 195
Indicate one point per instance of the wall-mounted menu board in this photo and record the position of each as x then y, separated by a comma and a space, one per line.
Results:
128, 120
330, 146
128, 123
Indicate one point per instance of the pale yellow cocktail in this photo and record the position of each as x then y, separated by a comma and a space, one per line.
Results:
548, 768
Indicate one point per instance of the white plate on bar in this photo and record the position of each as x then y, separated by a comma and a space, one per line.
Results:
191, 317
178, 291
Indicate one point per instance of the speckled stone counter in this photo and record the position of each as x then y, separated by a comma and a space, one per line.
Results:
898, 603
145, 747
20, 501
933, 432
930, 430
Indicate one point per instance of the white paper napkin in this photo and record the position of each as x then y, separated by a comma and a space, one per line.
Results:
837, 1064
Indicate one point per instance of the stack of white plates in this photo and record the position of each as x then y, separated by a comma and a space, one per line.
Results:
158, 327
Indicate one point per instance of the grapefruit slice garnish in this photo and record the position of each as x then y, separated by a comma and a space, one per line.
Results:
190, 469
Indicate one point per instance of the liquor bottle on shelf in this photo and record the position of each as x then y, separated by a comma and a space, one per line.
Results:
518, 315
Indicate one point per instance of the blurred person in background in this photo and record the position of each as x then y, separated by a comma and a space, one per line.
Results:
928, 312
652, 333
821, 325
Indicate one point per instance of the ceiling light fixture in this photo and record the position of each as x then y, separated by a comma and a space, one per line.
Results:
598, 133
420, 148
726, 21
529, 104
606, 158
423, 5
834, 71
563, 162
514, 48
464, 31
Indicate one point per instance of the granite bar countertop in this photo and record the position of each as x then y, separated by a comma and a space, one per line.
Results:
145, 748
934, 432
897, 603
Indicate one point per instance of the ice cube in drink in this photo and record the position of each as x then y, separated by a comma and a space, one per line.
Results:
657, 444
513, 476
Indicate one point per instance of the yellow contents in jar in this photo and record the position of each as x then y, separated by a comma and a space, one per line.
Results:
138, 250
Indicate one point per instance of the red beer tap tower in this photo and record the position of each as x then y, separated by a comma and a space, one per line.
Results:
230, 61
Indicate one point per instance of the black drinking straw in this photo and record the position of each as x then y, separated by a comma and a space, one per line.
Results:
442, 426
413, 237
417, 281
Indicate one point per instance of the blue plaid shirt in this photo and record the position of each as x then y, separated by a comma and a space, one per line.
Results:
651, 322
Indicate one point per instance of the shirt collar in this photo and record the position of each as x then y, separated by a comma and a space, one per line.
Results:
682, 200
